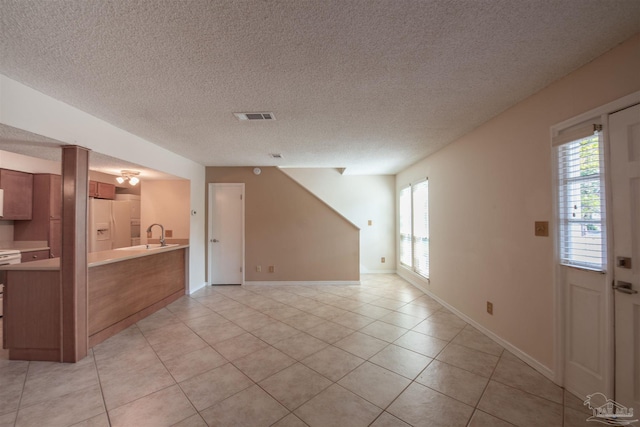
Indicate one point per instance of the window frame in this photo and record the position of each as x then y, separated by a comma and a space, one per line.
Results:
567, 255
421, 269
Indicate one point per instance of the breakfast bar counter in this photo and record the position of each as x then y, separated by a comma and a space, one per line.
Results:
98, 258
124, 286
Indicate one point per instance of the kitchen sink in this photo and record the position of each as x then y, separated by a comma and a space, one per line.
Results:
148, 247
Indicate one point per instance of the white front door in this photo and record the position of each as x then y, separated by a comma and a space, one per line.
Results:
226, 234
586, 291
624, 137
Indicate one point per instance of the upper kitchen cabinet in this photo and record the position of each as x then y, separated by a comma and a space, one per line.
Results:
47, 214
102, 190
18, 194
93, 188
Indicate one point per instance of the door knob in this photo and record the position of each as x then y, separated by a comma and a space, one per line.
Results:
625, 288
215, 240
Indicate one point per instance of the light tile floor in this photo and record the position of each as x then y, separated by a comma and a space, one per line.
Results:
381, 354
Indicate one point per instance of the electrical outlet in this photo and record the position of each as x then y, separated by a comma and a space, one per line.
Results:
271, 269
383, 260
490, 308
258, 268
370, 222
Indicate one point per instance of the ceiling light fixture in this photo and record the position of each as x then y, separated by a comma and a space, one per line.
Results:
130, 176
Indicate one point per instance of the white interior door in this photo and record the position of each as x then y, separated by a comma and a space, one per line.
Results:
226, 234
624, 137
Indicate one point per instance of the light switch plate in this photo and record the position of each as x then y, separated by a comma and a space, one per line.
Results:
542, 228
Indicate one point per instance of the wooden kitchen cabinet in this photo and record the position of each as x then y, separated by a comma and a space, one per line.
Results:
102, 190
31, 326
34, 256
47, 214
55, 197
18, 194
93, 188
55, 238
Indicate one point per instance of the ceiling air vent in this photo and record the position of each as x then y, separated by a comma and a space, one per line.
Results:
254, 116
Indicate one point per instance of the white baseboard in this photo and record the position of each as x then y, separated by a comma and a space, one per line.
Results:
544, 370
368, 271
304, 283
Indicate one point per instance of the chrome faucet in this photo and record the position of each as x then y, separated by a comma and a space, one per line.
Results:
162, 242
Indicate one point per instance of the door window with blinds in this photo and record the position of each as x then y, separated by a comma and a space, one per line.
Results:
414, 227
581, 197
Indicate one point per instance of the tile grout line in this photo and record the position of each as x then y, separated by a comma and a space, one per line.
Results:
160, 389
484, 390
24, 385
169, 371
104, 402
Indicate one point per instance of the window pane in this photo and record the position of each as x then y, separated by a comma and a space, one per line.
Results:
581, 203
421, 228
405, 249
405, 226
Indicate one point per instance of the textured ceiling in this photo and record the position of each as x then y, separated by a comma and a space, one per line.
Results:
369, 85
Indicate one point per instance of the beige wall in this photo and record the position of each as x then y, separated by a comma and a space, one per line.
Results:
165, 202
360, 198
488, 188
291, 229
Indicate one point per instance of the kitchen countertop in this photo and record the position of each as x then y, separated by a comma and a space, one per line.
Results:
94, 258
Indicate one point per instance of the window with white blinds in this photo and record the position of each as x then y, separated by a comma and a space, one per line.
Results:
581, 198
414, 227
406, 254
420, 193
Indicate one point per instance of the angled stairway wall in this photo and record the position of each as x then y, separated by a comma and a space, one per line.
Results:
366, 200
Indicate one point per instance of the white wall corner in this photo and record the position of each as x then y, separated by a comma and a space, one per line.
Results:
194, 289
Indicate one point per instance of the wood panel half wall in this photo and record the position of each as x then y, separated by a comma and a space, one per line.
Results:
122, 293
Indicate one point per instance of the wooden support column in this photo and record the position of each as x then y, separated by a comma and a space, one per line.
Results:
73, 262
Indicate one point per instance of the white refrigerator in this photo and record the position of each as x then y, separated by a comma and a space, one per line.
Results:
109, 224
